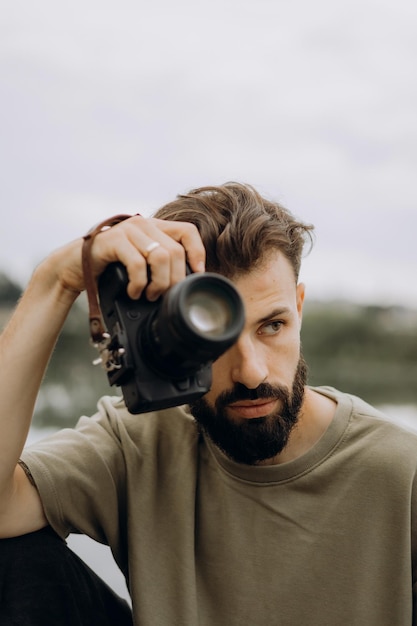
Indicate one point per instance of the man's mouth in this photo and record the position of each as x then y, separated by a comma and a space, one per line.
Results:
249, 409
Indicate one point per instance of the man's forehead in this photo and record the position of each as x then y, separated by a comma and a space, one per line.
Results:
271, 285
274, 269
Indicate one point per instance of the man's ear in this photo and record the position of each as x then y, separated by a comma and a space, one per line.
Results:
300, 294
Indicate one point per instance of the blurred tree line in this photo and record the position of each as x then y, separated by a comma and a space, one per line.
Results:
370, 351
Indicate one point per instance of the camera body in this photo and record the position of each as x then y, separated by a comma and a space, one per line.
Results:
160, 353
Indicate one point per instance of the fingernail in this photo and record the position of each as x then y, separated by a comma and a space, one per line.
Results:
152, 297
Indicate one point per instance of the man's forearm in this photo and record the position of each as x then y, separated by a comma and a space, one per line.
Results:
26, 345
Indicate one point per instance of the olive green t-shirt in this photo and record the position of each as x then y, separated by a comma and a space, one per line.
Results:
328, 539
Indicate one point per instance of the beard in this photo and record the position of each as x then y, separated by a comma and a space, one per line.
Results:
251, 441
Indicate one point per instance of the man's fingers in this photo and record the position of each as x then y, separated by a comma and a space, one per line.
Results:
188, 236
153, 251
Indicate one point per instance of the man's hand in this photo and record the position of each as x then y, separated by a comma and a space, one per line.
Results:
137, 242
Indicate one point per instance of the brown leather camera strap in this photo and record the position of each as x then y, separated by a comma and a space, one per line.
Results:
97, 328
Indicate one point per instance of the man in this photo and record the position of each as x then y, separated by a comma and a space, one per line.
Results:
266, 501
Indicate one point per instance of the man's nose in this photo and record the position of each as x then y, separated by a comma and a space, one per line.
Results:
249, 366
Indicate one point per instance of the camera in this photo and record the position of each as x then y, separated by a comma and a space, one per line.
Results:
160, 353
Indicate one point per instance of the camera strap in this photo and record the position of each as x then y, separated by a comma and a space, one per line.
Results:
97, 329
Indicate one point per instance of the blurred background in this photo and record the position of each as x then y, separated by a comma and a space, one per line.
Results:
117, 107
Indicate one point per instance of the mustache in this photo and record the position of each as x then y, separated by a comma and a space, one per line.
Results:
240, 392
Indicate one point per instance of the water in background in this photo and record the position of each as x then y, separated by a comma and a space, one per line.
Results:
404, 415
99, 557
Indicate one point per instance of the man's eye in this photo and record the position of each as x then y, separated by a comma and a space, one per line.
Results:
271, 328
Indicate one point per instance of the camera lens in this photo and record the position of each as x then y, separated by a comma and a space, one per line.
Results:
208, 312
198, 319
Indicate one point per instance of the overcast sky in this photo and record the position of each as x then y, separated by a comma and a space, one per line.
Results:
111, 107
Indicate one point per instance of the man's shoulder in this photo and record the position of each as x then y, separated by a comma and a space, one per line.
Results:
112, 435
376, 427
174, 423
357, 404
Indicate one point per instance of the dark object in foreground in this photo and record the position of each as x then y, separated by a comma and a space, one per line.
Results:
44, 583
160, 353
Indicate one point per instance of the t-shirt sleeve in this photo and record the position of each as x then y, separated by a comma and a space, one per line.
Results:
80, 475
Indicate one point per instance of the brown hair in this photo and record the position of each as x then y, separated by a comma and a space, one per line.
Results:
239, 227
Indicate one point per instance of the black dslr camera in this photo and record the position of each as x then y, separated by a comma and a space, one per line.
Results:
160, 353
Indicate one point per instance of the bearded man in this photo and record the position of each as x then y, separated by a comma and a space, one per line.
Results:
265, 501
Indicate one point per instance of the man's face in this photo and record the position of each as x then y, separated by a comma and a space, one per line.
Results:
258, 384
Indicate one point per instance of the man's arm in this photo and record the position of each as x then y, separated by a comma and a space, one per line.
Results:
29, 339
